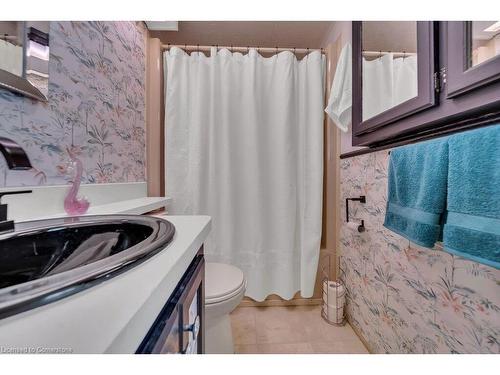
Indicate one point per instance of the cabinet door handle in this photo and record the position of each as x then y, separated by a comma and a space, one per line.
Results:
194, 328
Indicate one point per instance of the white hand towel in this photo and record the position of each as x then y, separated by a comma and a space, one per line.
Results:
340, 100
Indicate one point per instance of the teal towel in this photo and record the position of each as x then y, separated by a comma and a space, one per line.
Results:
472, 227
416, 197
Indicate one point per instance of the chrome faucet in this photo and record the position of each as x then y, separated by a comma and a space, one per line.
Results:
16, 159
14, 155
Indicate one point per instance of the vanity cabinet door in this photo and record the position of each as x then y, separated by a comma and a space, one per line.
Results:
192, 310
179, 327
473, 55
393, 72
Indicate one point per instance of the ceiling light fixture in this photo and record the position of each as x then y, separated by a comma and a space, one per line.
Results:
493, 28
162, 25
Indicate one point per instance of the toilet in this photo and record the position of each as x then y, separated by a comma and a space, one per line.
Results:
225, 287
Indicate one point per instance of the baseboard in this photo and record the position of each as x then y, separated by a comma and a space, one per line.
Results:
360, 337
248, 302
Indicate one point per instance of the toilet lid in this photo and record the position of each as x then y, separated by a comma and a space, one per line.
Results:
222, 281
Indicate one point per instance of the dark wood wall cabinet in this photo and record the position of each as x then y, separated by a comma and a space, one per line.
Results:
454, 75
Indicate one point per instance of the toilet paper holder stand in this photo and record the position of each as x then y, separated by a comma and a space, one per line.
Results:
334, 291
360, 199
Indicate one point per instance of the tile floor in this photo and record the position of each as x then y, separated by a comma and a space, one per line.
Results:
290, 330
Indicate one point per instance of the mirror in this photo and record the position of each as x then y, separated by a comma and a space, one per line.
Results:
483, 41
24, 58
389, 65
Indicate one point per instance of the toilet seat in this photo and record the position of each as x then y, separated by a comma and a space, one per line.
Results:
222, 282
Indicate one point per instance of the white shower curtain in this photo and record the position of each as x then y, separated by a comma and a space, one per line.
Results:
244, 144
388, 82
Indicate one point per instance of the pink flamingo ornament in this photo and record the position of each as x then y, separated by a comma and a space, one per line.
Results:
72, 204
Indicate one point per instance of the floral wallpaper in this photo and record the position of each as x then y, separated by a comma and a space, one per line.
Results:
96, 107
403, 298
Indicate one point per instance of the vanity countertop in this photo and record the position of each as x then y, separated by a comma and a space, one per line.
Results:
114, 316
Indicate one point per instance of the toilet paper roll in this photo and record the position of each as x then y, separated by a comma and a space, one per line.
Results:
352, 226
334, 314
333, 293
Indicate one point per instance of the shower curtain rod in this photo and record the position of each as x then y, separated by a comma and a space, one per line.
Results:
198, 48
380, 53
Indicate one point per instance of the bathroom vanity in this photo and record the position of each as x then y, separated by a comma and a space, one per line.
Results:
98, 283
153, 307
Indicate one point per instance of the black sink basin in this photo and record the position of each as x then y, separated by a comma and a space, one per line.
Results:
45, 260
